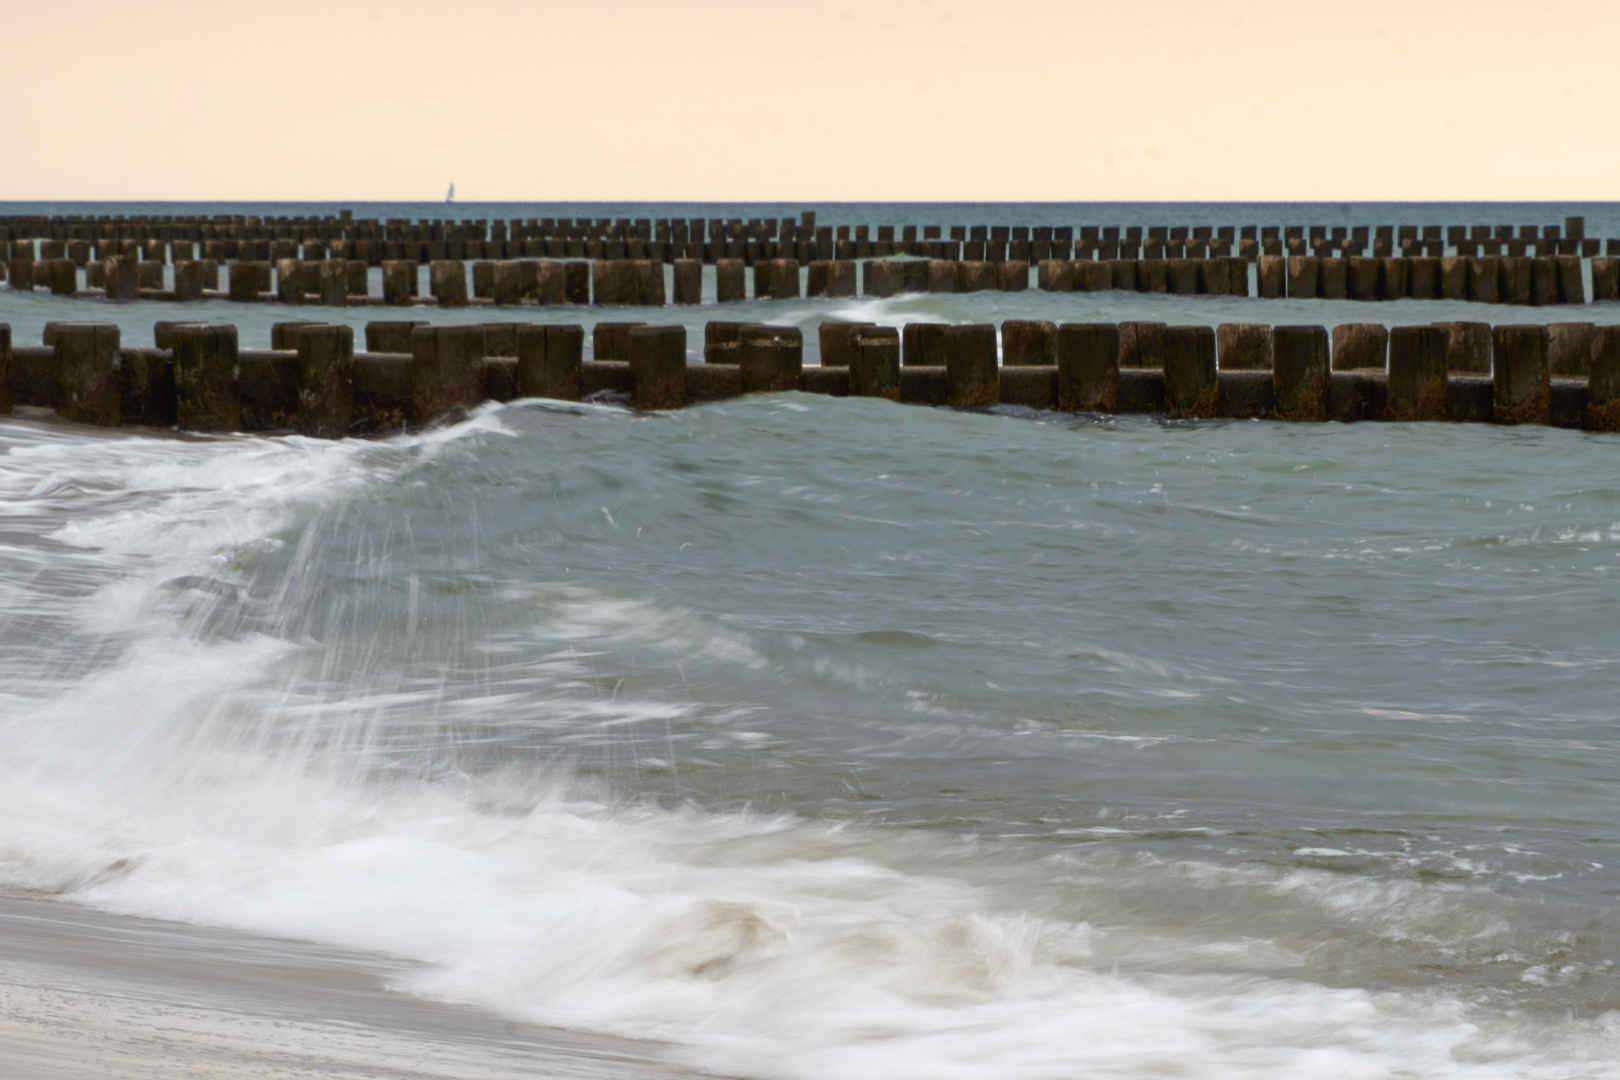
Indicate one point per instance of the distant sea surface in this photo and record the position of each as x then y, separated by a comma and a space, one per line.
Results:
833, 738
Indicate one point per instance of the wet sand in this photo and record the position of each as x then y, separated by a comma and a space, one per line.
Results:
84, 994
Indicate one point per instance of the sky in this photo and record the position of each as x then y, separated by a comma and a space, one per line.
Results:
832, 100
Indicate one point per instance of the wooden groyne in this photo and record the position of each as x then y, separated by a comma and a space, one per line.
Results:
650, 262
196, 376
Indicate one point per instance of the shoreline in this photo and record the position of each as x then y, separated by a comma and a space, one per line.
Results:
84, 993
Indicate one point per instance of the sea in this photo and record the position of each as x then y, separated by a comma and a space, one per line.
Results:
807, 738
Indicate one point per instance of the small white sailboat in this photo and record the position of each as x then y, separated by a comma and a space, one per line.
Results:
450, 196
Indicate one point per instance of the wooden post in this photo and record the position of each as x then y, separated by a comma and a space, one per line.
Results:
1468, 347
1603, 386
688, 281
1359, 346
731, 283
206, 395
5, 369
87, 373
1303, 272
837, 342
1190, 383
1417, 373
1522, 378
770, 359
1088, 367
874, 369
446, 369
1243, 346
550, 360
1026, 342
325, 379
1270, 277
399, 282
1300, 378
972, 377
448, 280
658, 365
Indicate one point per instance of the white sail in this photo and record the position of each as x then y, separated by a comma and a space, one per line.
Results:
451, 195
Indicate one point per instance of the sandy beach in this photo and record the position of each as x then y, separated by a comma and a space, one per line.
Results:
84, 994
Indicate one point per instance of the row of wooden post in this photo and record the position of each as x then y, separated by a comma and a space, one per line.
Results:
312, 380
336, 282
475, 238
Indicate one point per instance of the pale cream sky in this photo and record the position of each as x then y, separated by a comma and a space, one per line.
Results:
817, 100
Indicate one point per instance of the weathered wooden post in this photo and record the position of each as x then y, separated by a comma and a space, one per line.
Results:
1544, 282
1300, 372
290, 281
206, 396
577, 282
188, 281
446, 369
1303, 272
5, 369
648, 275
333, 281
1417, 373
688, 281
1331, 277
87, 373
63, 277
1423, 278
1483, 274
1523, 381
506, 283
611, 340
1468, 347
1012, 276
1569, 349
1270, 277
448, 280
20, 275
124, 283
550, 360
1605, 279
1363, 278
1243, 346
1392, 275
399, 282
770, 359
1514, 278
1571, 288
1359, 346
325, 380
1088, 367
658, 365
1455, 278
841, 278
1191, 386
1141, 344
837, 342
1603, 386
731, 282
387, 336
1026, 342
874, 369
972, 377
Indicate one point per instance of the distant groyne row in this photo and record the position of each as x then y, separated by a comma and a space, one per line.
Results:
229, 238
196, 376
645, 262
1489, 279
